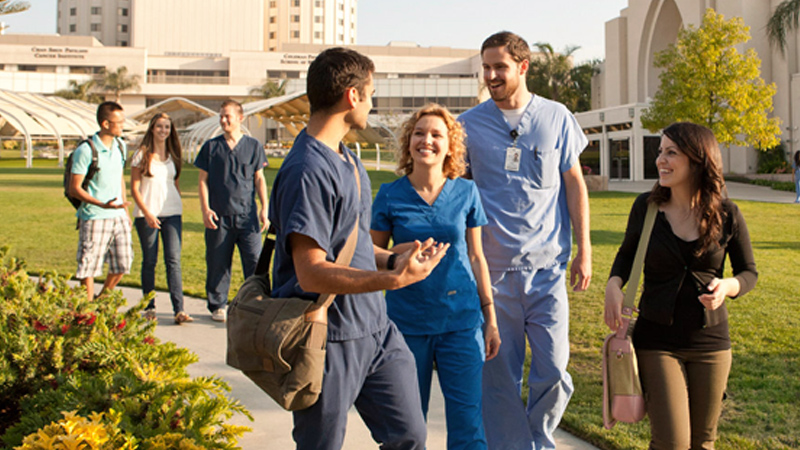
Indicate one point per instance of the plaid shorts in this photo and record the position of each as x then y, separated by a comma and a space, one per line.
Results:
104, 240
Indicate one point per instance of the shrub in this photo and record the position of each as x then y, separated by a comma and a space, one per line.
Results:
773, 160
61, 352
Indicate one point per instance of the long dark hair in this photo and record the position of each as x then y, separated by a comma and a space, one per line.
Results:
797, 158
172, 144
707, 184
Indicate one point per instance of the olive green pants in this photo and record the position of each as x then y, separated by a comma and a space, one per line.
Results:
683, 396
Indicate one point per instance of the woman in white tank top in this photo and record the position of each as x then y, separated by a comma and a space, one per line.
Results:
155, 170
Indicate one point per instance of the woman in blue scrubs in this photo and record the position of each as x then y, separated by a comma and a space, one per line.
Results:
447, 319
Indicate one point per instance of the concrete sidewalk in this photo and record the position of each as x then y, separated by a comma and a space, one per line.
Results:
736, 191
272, 426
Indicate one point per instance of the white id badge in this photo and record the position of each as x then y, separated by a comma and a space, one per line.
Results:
513, 154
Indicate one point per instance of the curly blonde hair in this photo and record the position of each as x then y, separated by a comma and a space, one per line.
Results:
454, 163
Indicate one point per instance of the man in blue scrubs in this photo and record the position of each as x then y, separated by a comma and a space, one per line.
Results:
523, 153
315, 203
231, 171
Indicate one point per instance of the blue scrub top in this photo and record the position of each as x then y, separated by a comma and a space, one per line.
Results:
231, 174
529, 223
448, 299
314, 194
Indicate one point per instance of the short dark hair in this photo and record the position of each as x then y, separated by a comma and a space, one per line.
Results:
516, 46
234, 103
332, 73
104, 111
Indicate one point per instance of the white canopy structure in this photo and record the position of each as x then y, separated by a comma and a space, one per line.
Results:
290, 110
28, 117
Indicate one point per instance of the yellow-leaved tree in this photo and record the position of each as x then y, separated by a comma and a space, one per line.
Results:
706, 80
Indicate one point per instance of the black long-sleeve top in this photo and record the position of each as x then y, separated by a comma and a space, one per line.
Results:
670, 315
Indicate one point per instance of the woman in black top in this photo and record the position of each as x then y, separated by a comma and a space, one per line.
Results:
681, 336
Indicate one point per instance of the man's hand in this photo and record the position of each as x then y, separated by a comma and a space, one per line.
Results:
580, 274
210, 219
262, 217
419, 261
111, 205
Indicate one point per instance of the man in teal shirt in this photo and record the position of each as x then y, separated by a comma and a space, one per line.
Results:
103, 221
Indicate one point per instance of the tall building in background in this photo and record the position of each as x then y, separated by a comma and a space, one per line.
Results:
209, 27
108, 21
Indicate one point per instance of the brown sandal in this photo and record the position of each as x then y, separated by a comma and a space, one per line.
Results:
182, 317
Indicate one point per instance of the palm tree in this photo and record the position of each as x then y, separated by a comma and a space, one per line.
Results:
11, 7
80, 91
550, 75
785, 19
270, 89
118, 82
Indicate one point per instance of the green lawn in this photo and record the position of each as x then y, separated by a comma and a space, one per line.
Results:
763, 406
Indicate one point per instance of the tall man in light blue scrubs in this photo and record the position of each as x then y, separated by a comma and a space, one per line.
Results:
523, 153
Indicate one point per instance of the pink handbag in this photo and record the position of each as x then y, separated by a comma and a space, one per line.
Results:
623, 400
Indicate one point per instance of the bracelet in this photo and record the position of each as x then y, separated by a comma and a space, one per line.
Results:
390, 261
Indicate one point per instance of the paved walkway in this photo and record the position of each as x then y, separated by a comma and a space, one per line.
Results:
272, 426
736, 191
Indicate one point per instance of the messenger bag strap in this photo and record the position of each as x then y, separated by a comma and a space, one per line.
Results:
636, 271
349, 249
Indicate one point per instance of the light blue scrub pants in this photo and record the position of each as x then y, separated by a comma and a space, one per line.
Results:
530, 304
459, 357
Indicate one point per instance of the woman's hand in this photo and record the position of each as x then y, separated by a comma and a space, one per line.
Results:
614, 298
152, 221
491, 338
717, 291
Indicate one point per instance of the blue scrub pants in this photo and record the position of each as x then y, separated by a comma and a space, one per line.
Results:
241, 231
459, 357
376, 375
532, 305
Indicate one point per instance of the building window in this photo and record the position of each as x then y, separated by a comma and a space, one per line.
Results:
123, 12
295, 18
96, 27
123, 43
341, 38
295, 2
272, 35
122, 28
272, 19
341, 6
73, 11
72, 28
341, 22
317, 35
273, 4
96, 10
318, 4
296, 34
317, 19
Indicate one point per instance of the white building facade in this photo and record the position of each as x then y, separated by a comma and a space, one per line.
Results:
209, 27
619, 147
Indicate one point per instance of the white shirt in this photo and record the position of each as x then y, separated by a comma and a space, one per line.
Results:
158, 192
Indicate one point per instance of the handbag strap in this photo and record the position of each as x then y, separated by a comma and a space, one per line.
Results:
343, 258
638, 264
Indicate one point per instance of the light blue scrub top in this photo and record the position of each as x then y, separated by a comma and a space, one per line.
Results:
529, 225
447, 300
107, 182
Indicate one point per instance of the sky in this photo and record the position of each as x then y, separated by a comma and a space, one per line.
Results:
440, 23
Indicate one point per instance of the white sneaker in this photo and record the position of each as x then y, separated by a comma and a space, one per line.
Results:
218, 315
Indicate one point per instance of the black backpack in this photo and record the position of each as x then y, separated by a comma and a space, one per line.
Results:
90, 173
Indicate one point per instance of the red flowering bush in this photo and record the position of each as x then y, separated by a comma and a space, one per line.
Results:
60, 352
